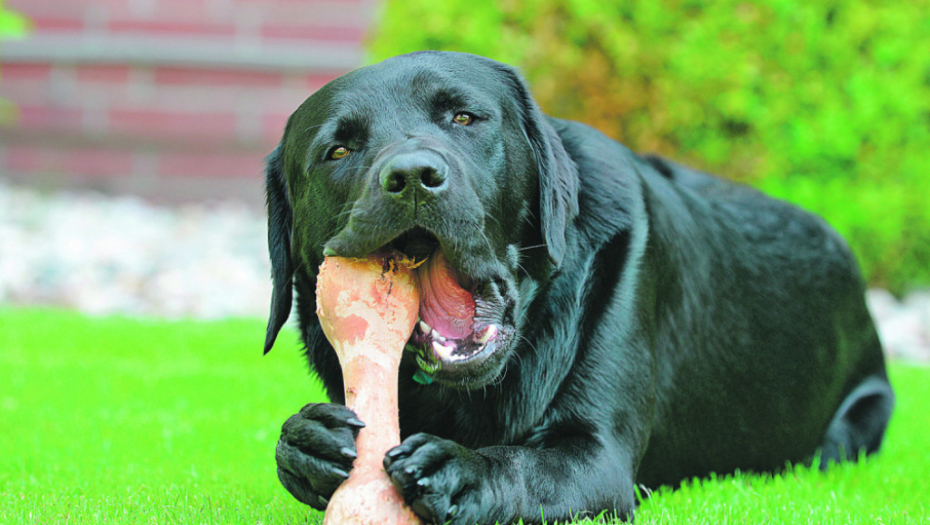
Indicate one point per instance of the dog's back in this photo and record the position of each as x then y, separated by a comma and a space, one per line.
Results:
778, 355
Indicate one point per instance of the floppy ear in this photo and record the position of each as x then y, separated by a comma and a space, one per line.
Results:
280, 219
558, 174
558, 188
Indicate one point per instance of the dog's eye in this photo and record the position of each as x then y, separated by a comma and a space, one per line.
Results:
463, 119
338, 152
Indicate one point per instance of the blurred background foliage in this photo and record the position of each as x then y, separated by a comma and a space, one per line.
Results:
823, 103
12, 25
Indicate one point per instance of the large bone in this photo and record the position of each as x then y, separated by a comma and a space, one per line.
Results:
368, 308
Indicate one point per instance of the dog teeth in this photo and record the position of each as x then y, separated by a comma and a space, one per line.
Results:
425, 328
487, 334
437, 335
442, 351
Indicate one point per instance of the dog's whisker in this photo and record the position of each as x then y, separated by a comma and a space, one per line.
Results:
530, 247
345, 212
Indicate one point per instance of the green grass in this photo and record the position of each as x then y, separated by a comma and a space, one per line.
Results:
114, 420
123, 421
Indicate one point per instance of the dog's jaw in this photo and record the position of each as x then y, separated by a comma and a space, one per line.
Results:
472, 359
463, 318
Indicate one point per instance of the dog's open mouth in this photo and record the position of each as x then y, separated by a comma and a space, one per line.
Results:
460, 317
447, 314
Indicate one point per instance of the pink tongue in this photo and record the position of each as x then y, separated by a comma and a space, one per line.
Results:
444, 305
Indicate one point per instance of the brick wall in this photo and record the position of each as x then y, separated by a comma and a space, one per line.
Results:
171, 99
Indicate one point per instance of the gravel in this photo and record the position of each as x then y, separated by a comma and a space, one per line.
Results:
106, 255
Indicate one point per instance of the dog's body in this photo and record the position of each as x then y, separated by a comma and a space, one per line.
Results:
635, 322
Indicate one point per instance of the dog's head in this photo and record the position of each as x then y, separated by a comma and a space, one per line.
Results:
444, 157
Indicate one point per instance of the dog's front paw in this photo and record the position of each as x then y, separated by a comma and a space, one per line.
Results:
316, 451
437, 478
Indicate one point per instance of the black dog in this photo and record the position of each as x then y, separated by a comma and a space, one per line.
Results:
626, 320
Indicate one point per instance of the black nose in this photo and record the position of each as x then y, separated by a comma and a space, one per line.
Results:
408, 172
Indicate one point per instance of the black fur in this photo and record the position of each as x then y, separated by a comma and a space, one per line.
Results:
279, 246
656, 323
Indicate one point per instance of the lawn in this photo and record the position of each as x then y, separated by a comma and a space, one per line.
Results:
114, 420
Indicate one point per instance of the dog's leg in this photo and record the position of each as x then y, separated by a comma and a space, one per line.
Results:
316, 451
445, 482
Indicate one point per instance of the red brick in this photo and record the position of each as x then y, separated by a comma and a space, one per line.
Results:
183, 98
315, 81
273, 127
110, 74
213, 164
48, 118
186, 10
100, 96
52, 24
170, 28
55, 8
93, 162
213, 77
165, 11
25, 70
314, 33
284, 101
25, 159
340, 13
266, 4
26, 85
24, 92
209, 127
98, 162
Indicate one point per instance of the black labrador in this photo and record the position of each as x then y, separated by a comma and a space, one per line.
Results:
597, 320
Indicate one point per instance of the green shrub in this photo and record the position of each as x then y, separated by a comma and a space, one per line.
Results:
12, 25
887, 223
824, 103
